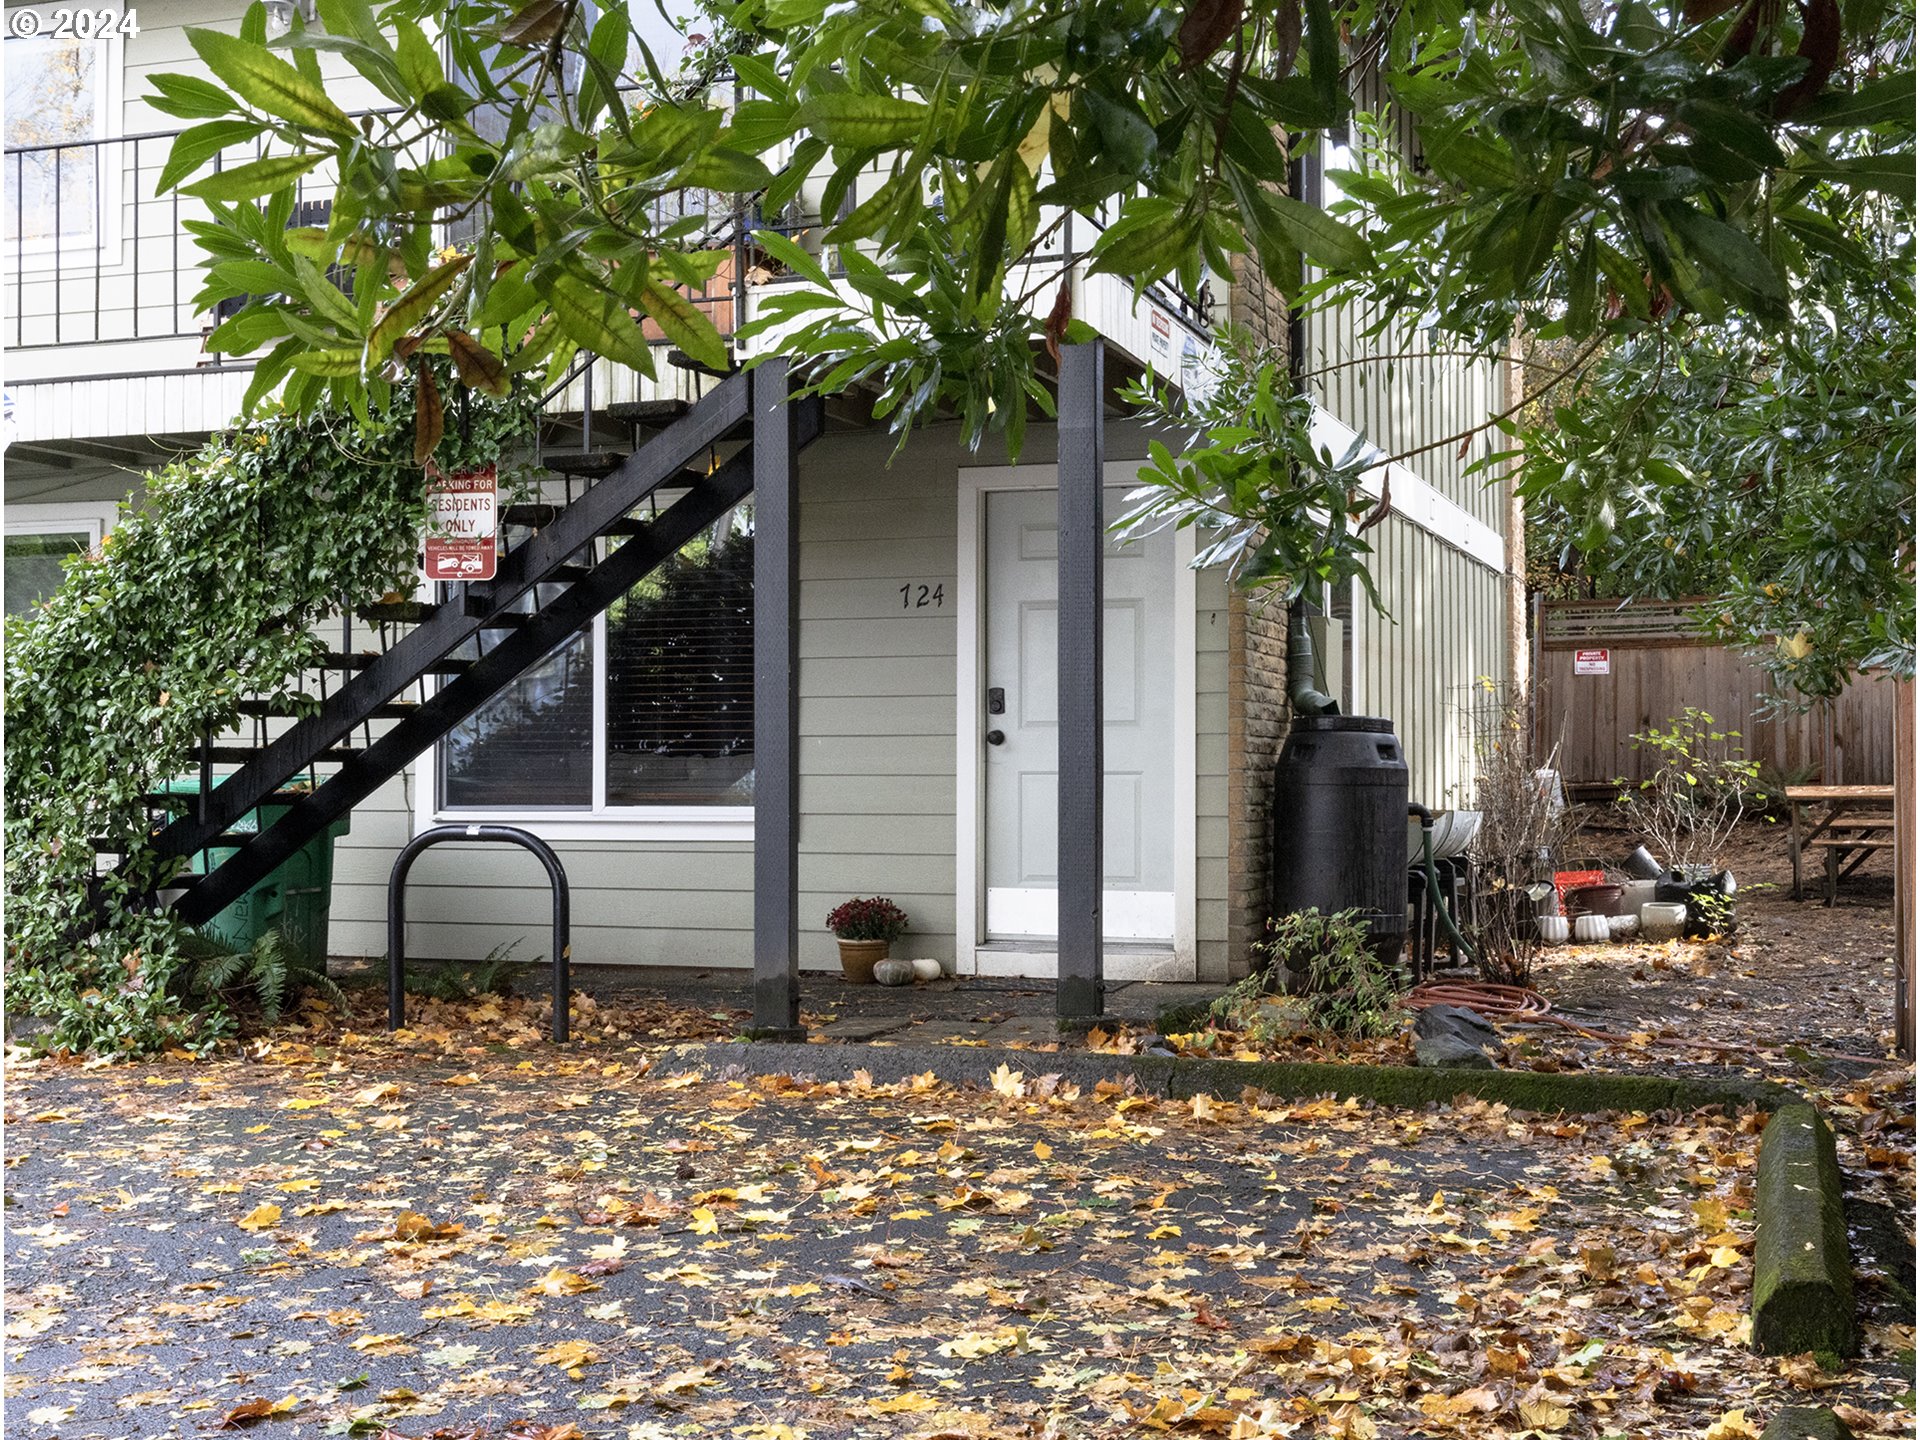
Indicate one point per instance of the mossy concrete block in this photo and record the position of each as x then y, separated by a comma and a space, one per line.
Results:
1802, 1272
1520, 1089
1806, 1422
1182, 1079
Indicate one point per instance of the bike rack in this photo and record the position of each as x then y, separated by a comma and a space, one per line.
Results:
397, 914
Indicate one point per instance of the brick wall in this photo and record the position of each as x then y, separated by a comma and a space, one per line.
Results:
1257, 712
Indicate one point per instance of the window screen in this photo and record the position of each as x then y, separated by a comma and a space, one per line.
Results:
33, 566
678, 682
680, 679
531, 746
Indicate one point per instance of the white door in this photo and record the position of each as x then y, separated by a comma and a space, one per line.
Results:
1019, 714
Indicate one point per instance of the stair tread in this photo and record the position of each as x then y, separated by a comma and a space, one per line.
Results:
593, 463
681, 360
241, 754
402, 612
334, 660
282, 710
647, 412
532, 514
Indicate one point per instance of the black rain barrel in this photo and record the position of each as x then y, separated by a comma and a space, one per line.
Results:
1340, 824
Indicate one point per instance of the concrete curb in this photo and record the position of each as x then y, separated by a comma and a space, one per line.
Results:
1181, 1079
1803, 1422
1802, 1271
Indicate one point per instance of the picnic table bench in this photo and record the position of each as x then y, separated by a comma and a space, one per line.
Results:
1852, 821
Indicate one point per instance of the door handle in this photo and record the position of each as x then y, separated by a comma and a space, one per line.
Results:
996, 737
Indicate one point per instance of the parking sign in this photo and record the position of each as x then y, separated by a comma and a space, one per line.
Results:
462, 523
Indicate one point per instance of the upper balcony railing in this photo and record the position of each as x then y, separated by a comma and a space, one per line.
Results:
96, 256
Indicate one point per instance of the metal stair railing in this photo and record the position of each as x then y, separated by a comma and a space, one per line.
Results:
704, 501
470, 609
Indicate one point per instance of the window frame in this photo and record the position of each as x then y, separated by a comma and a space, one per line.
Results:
109, 125
61, 517
598, 820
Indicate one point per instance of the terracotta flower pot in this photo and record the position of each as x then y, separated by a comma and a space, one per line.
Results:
858, 957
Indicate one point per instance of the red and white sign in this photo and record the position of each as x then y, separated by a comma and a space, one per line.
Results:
1593, 662
463, 523
1160, 333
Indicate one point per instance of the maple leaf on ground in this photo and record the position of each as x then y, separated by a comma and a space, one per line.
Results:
252, 1410
412, 1225
262, 1217
568, 1354
564, 1282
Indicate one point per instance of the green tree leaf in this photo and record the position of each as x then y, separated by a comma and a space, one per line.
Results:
269, 83
254, 179
195, 146
847, 118
685, 324
598, 321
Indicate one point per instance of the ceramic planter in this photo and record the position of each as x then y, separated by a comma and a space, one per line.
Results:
857, 958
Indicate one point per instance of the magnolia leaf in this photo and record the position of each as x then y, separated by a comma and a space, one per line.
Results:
263, 79
412, 307
331, 363
846, 118
195, 146
429, 417
537, 23
190, 97
598, 321
254, 179
685, 324
480, 369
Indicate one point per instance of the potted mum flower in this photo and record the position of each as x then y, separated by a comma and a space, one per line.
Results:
865, 929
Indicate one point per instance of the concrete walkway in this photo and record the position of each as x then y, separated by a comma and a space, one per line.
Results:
969, 1009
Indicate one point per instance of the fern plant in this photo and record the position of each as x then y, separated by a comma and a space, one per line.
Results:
272, 974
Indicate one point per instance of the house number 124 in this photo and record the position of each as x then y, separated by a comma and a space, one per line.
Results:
921, 597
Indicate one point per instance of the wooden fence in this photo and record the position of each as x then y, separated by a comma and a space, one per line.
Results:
1604, 671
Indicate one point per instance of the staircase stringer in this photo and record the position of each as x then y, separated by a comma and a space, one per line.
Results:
663, 458
707, 500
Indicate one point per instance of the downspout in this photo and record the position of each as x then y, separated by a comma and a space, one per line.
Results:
1302, 670
1305, 697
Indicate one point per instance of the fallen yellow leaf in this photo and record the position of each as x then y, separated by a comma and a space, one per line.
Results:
263, 1217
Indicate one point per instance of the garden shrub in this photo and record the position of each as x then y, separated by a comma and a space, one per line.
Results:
1342, 986
208, 591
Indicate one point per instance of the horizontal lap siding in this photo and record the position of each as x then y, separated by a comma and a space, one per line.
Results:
876, 759
1421, 663
1211, 767
877, 787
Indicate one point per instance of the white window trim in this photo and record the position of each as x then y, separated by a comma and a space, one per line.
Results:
104, 245
599, 822
63, 517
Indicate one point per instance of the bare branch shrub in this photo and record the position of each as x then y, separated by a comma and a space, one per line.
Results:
1524, 822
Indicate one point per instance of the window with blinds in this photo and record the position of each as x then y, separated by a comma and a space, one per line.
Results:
531, 746
680, 681
669, 666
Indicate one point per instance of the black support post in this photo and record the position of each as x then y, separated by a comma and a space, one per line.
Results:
776, 707
1081, 990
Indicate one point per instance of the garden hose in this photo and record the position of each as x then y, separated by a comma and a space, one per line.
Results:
1460, 941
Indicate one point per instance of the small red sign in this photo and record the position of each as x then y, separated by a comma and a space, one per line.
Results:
1593, 662
463, 524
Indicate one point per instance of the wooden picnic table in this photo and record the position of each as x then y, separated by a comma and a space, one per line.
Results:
1833, 803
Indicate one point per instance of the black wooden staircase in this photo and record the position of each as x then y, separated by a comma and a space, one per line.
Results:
546, 588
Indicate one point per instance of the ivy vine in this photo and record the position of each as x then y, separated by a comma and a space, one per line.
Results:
208, 592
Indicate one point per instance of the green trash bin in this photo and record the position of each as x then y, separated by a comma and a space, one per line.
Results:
296, 898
